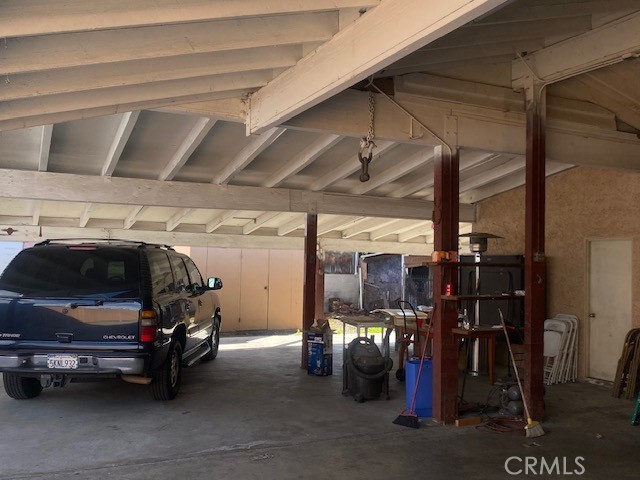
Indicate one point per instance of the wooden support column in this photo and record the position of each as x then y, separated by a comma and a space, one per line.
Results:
309, 294
535, 268
445, 223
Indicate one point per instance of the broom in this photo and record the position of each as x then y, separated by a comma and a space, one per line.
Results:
409, 417
532, 428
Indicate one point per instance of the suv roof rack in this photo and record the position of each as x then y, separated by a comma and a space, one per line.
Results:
63, 241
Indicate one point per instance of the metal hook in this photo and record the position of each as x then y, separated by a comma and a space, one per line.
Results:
365, 154
364, 172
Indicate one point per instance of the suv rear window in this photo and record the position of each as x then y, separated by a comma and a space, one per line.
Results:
64, 271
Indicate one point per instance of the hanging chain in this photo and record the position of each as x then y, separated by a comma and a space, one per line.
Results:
365, 153
372, 112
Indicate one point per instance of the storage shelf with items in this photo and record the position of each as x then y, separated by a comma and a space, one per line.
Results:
487, 284
475, 264
458, 298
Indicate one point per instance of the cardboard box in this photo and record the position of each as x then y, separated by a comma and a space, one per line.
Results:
320, 350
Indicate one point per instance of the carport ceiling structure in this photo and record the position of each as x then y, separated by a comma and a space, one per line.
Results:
130, 119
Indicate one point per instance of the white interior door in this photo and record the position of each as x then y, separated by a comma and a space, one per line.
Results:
609, 304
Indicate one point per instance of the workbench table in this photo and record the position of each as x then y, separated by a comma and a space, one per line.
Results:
479, 332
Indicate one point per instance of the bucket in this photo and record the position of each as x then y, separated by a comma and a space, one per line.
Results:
424, 399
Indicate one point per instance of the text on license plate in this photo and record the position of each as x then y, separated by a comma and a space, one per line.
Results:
62, 361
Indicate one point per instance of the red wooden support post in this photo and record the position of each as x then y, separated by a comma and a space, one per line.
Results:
310, 281
445, 223
535, 268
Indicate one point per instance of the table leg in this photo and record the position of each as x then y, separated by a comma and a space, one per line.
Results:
386, 342
492, 355
466, 367
345, 386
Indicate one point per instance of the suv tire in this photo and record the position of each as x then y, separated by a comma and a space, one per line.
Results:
20, 387
213, 341
166, 383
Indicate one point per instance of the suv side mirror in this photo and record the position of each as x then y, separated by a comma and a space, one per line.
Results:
215, 283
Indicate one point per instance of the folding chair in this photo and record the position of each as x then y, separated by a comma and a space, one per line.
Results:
556, 336
551, 352
570, 370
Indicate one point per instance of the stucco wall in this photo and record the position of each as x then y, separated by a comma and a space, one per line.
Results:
582, 203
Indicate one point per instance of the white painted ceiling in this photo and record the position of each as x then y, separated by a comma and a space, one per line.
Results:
158, 92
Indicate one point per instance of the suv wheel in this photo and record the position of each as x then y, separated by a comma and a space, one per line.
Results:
166, 383
20, 387
213, 341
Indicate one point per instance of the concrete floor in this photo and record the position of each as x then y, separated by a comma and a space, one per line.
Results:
254, 414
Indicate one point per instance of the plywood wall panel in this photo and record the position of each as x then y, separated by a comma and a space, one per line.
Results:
226, 263
286, 270
246, 304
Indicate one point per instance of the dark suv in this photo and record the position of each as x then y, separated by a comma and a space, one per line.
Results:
86, 310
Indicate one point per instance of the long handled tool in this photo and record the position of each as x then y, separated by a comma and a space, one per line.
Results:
409, 417
406, 341
532, 428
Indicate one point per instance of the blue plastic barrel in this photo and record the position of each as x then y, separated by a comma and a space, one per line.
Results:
424, 398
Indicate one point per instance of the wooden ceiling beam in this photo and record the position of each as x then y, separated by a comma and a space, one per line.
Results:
303, 159
423, 228
349, 167
35, 212
366, 225
230, 109
606, 45
257, 145
187, 147
38, 233
543, 11
337, 223
132, 216
45, 147
374, 41
177, 218
46, 17
40, 118
395, 171
85, 216
160, 92
349, 245
478, 34
479, 128
219, 220
256, 223
514, 180
127, 122
605, 91
397, 226
297, 222
50, 52
467, 162
491, 174
148, 71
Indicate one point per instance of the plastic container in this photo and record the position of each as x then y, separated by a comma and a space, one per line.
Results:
320, 354
424, 399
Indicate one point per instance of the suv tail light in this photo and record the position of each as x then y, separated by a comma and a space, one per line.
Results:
148, 325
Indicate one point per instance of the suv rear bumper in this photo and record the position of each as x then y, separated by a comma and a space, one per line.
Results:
87, 364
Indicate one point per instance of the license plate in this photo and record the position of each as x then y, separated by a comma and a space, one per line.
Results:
62, 361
